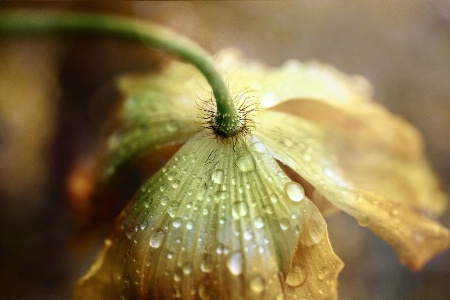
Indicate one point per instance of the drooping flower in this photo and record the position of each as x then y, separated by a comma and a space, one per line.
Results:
223, 220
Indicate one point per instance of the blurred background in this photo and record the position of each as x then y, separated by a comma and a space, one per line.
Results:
56, 91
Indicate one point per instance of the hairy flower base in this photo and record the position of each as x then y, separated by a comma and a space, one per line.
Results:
217, 223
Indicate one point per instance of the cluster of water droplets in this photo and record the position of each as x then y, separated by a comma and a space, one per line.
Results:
212, 217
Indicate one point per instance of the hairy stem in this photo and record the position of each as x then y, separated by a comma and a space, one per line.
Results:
27, 22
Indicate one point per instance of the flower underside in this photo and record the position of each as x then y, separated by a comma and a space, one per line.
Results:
223, 221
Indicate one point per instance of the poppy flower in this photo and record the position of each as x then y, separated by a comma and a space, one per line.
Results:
239, 218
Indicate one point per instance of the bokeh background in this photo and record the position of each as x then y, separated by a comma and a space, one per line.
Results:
56, 91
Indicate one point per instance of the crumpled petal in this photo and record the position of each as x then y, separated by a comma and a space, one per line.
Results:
158, 110
376, 151
301, 145
220, 221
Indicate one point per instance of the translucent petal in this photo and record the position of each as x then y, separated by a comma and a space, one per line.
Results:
314, 262
294, 80
158, 110
376, 151
218, 222
303, 147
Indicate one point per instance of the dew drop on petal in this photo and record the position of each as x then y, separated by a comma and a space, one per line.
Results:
257, 284
258, 222
240, 209
260, 147
157, 238
189, 224
187, 268
175, 184
314, 231
235, 263
281, 174
130, 233
245, 163
177, 222
284, 224
217, 176
206, 263
274, 198
295, 191
164, 200
297, 275
248, 235
144, 224
363, 220
171, 175
323, 273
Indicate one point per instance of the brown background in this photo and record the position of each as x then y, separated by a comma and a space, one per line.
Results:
53, 100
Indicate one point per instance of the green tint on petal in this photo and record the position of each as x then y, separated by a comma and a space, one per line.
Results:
158, 110
217, 222
307, 150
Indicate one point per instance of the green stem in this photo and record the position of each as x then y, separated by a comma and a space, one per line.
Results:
27, 22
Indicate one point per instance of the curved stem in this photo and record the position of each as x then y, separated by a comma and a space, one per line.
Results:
27, 22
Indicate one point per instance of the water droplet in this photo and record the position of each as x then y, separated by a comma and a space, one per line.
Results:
297, 275
187, 268
217, 176
268, 209
257, 284
235, 263
148, 262
323, 273
363, 220
189, 224
258, 222
162, 187
394, 213
170, 255
157, 238
220, 248
171, 175
173, 209
177, 275
177, 222
170, 127
288, 143
144, 224
175, 184
274, 198
245, 163
281, 174
206, 263
284, 224
205, 212
240, 209
260, 147
130, 233
295, 191
314, 231
164, 200
222, 195
248, 235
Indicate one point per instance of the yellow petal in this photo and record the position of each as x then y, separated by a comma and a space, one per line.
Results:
218, 222
376, 151
312, 80
314, 263
303, 147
